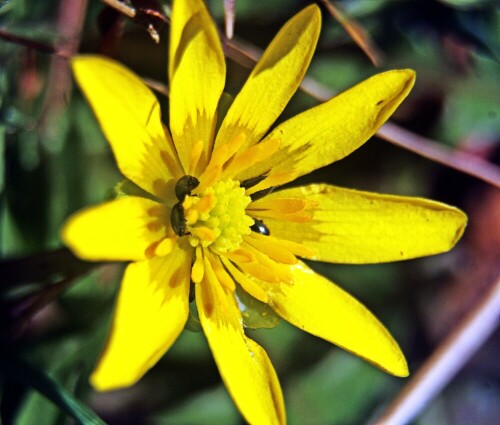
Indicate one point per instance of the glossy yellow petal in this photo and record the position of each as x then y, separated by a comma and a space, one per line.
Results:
129, 115
119, 230
244, 366
274, 79
151, 311
197, 73
321, 308
332, 130
351, 226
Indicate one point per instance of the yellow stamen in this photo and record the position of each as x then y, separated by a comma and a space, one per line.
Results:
272, 248
224, 152
204, 234
282, 271
206, 204
208, 178
246, 283
250, 157
292, 205
191, 215
299, 217
241, 255
272, 180
294, 247
264, 268
216, 217
294, 210
221, 274
220, 156
197, 271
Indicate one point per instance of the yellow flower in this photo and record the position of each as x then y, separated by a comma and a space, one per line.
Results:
210, 219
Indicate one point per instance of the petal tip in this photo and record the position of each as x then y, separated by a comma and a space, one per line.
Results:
314, 11
401, 370
102, 383
394, 363
462, 220
66, 233
411, 77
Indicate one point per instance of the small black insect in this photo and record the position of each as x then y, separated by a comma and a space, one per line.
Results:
184, 186
178, 220
259, 227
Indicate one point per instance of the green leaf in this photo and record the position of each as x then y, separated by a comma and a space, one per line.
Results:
129, 188
212, 407
467, 4
27, 374
255, 314
340, 389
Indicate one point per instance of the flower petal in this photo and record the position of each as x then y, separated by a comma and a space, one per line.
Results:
274, 79
332, 130
151, 311
244, 366
115, 231
350, 226
129, 115
197, 73
321, 308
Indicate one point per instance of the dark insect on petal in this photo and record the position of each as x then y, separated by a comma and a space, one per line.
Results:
184, 186
178, 220
259, 227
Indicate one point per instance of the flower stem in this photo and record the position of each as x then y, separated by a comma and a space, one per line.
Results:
446, 361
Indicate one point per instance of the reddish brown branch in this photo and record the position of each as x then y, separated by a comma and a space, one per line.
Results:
458, 160
121, 7
358, 34
70, 21
28, 42
446, 361
246, 55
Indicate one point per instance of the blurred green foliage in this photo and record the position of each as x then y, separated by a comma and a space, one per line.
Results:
54, 162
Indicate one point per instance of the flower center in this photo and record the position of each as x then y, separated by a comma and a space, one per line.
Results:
216, 217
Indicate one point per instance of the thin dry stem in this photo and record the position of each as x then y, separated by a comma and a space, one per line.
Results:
458, 160
446, 361
28, 42
121, 7
359, 35
229, 17
246, 55
70, 21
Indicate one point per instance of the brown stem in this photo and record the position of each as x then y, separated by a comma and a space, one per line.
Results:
28, 42
246, 55
69, 26
446, 361
459, 160
358, 34
229, 17
121, 7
